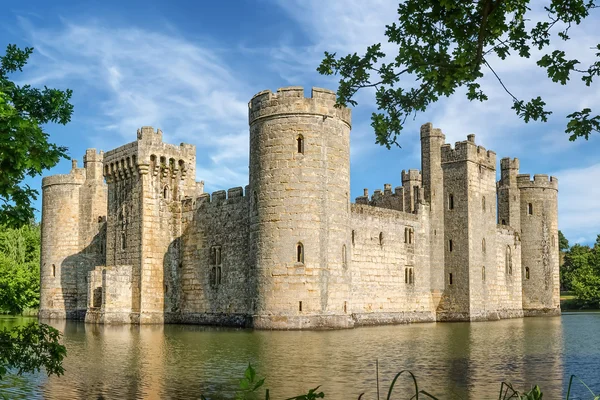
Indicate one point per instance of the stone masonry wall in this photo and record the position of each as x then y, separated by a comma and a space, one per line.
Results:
505, 284
299, 219
60, 241
386, 246
539, 239
215, 288
290, 251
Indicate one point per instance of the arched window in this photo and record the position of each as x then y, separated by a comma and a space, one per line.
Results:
411, 234
300, 141
483, 274
53, 270
503, 222
344, 255
526, 272
450, 202
483, 245
300, 253
381, 238
165, 192
483, 203
409, 276
508, 261
530, 209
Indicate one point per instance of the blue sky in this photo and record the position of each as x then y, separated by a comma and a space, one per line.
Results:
191, 67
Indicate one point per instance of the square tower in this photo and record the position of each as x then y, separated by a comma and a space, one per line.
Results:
469, 230
147, 179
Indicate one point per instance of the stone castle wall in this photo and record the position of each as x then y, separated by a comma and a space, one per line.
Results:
290, 250
216, 283
389, 266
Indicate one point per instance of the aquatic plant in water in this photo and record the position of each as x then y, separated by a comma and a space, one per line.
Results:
250, 385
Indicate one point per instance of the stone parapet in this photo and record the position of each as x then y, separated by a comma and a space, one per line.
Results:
540, 181
290, 101
468, 151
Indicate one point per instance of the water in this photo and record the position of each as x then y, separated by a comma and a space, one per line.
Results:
450, 360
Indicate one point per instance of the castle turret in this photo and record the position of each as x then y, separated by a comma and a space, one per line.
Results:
509, 212
539, 241
469, 230
411, 184
60, 240
433, 188
299, 223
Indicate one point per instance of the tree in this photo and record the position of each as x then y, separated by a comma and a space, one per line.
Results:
24, 146
576, 259
563, 243
25, 150
19, 268
581, 273
28, 348
444, 45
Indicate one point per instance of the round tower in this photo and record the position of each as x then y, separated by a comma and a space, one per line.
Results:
539, 244
60, 242
300, 205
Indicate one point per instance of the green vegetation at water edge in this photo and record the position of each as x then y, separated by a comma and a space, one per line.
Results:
25, 151
251, 387
580, 275
19, 269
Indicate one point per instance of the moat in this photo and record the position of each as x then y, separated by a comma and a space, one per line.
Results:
451, 360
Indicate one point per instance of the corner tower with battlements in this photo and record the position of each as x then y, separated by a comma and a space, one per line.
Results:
299, 218
132, 238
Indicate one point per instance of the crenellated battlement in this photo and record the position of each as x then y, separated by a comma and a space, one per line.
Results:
219, 197
149, 155
507, 163
467, 150
148, 134
540, 181
75, 177
411, 175
427, 130
290, 101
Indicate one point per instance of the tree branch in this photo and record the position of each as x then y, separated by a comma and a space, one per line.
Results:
500, 80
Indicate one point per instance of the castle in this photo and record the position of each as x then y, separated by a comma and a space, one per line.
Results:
132, 238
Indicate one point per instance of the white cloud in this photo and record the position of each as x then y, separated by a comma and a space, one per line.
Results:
139, 78
578, 211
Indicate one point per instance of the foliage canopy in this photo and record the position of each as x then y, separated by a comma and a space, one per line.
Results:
24, 146
443, 45
19, 268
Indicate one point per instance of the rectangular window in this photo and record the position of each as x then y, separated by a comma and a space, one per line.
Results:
451, 278
300, 306
450, 202
530, 209
215, 255
450, 247
409, 275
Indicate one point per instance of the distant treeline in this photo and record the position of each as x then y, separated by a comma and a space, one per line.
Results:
580, 273
19, 268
